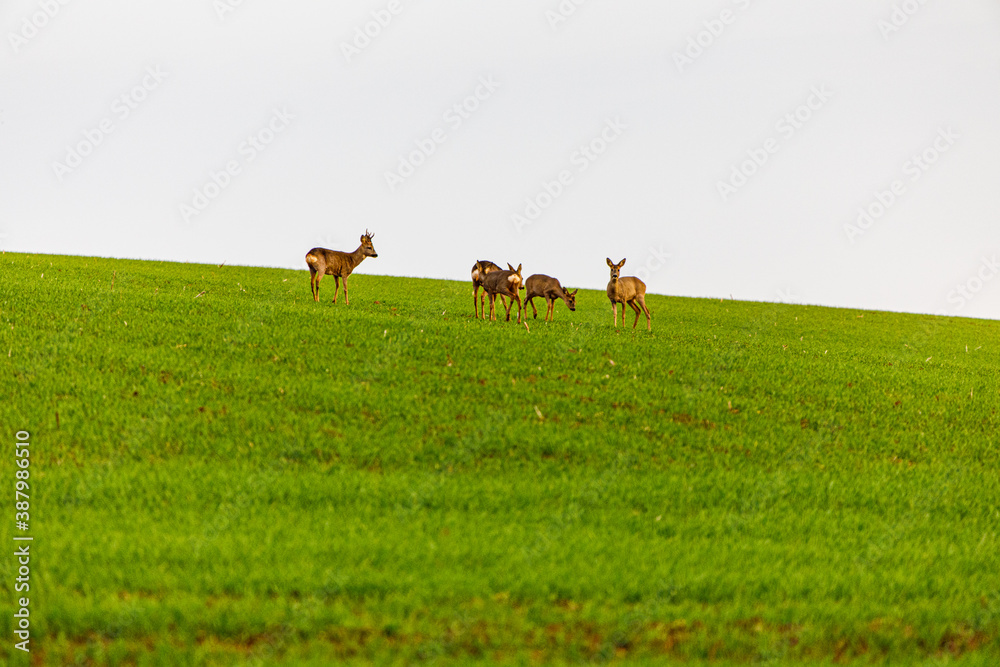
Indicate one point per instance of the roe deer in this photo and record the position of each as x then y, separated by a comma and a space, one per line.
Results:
549, 289
323, 262
504, 284
479, 271
627, 290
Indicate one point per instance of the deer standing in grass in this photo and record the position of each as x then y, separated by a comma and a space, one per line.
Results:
549, 289
323, 262
479, 271
504, 284
628, 290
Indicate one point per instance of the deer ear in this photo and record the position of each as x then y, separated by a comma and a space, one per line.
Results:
610, 263
622, 263
573, 293
518, 269
509, 266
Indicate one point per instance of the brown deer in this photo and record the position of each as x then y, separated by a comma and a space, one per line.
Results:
504, 284
628, 290
323, 262
549, 289
479, 271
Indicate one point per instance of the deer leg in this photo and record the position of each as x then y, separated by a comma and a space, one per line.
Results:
319, 277
347, 299
512, 299
507, 306
312, 283
649, 320
614, 310
637, 311
475, 300
551, 315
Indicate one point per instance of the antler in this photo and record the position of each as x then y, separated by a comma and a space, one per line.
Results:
369, 234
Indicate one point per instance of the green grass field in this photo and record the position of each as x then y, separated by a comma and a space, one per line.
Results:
224, 472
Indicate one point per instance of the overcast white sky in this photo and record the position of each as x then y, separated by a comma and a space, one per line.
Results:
331, 122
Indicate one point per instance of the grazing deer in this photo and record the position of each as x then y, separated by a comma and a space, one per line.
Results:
549, 289
323, 262
479, 271
504, 284
627, 290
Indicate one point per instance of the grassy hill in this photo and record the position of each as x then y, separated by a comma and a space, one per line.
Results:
225, 472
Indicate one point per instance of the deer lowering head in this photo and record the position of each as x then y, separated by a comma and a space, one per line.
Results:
549, 289
571, 299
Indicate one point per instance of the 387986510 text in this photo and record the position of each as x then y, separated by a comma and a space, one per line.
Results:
22, 541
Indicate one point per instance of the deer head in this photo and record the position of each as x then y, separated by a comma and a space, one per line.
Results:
615, 269
516, 281
366, 244
571, 299
483, 267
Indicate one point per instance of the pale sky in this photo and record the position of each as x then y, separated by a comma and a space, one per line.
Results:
250, 131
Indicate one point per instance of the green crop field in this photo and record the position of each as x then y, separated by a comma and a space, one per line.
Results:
224, 472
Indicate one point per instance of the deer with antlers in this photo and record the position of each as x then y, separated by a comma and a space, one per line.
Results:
504, 284
628, 290
340, 265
